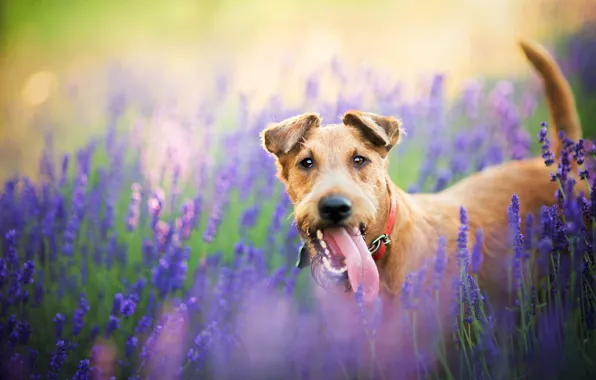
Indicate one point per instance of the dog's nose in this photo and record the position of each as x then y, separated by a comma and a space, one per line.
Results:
334, 208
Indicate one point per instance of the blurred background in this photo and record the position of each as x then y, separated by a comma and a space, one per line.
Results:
54, 51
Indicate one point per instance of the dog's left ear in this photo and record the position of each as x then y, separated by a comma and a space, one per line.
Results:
382, 131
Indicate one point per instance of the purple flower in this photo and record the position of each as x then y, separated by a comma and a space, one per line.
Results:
83, 371
281, 210
462, 240
578, 152
406, 296
131, 345
76, 215
517, 239
33, 354
197, 208
59, 325
94, 332
291, 281
312, 87
64, 171
155, 204
593, 200
143, 325
113, 325
111, 251
579, 46
128, 307
476, 298
138, 288
529, 233
174, 190
564, 166
132, 219
3, 272
15, 290
188, 215
28, 271
443, 178
39, 289
148, 251
24, 331
11, 249
440, 261
57, 360
79, 315
117, 303
476, 259
202, 343
547, 154
249, 217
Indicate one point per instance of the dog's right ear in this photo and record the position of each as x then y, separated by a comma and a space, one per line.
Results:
280, 138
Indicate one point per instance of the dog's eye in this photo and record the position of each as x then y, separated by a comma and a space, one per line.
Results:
359, 160
307, 163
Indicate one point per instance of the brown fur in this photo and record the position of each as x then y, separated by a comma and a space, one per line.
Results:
421, 218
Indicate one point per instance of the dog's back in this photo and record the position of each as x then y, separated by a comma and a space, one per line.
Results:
487, 195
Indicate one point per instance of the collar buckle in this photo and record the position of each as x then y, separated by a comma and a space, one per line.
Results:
376, 244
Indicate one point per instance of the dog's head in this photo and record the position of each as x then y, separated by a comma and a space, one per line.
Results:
336, 177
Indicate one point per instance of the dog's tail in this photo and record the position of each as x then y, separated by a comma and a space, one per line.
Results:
559, 97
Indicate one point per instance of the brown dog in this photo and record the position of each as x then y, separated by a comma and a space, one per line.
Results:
336, 177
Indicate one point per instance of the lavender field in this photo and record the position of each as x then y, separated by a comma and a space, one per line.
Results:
178, 261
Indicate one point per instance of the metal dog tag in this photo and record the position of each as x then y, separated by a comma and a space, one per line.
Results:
303, 257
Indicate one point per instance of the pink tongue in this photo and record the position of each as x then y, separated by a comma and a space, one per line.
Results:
361, 267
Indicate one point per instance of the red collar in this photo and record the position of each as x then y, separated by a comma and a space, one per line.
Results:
379, 245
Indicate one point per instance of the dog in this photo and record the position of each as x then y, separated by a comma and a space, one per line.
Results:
365, 226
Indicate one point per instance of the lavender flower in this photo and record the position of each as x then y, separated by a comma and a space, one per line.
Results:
64, 172
128, 307
24, 332
202, 343
3, 272
11, 250
131, 345
59, 325
117, 303
476, 259
134, 208
79, 315
39, 289
57, 360
155, 204
76, 214
517, 239
440, 261
249, 217
547, 154
462, 240
28, 271
406, 292
143, 325
113, 325
83, 371
188, 215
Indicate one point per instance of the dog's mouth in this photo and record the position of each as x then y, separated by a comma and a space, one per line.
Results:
341, 258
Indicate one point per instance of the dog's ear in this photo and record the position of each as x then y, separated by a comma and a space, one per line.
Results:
280, 138
382, 131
